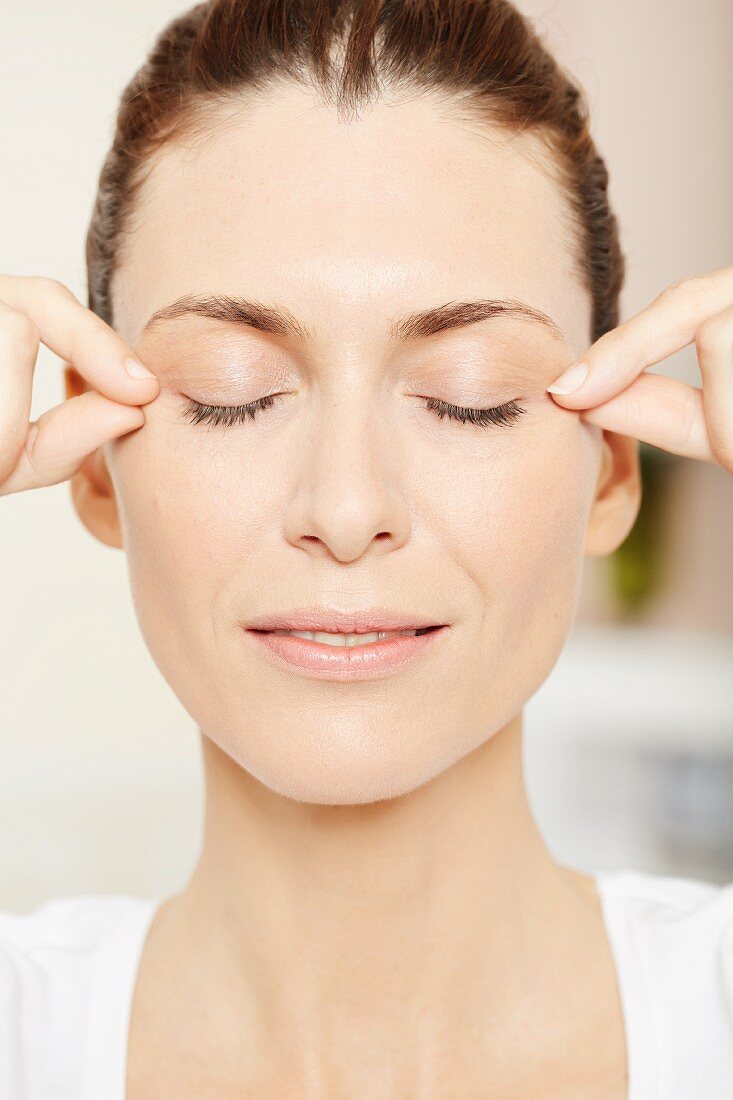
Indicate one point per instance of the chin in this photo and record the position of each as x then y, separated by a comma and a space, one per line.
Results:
348, 773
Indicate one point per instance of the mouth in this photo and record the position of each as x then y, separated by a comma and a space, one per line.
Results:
360, 655
358, 637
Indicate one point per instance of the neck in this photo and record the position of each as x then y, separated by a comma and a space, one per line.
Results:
396, 923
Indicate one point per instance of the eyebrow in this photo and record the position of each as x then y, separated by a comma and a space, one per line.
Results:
411, 326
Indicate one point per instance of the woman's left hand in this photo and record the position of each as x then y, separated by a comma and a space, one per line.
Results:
617, 395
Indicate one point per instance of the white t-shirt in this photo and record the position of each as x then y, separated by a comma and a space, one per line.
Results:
68, 970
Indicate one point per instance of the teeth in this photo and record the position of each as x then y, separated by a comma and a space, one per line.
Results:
347, 639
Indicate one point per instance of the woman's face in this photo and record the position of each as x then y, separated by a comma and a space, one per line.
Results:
348, 492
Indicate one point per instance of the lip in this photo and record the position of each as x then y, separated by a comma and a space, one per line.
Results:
360, 662
330, 621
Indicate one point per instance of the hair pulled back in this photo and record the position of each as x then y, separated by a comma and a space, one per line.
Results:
482, 53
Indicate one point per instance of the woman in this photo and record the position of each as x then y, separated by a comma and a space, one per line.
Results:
348, 252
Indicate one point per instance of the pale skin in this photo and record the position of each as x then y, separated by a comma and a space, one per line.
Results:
374, 911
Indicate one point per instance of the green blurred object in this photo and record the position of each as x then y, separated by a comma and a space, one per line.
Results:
637, 565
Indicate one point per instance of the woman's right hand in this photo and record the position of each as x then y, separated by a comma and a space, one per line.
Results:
36, 310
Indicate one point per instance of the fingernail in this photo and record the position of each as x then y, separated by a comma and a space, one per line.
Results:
136, 370
571, 380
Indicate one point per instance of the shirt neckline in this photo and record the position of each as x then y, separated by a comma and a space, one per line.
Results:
117, 977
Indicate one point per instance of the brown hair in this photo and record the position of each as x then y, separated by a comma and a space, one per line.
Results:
483, 54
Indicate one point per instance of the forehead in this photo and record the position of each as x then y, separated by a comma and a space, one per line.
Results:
349, 223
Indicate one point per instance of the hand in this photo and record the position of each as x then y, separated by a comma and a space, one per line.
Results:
51, 449
619, 396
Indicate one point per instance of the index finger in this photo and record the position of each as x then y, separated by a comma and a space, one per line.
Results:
79, 336
664, 327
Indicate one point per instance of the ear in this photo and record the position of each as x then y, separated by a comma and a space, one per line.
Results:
618, 495
92, 491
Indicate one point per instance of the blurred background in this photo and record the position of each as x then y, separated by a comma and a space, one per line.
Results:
629, 742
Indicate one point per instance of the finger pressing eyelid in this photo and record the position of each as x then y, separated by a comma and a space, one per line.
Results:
658, 410
79, 337
664, 327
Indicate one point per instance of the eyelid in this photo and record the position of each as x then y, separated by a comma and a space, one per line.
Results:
497, 416
503, 415
196, 412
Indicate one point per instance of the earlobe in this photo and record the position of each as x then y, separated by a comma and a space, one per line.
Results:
617, 496
92, 491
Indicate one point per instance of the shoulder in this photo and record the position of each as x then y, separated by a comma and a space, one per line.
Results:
668, 899
678, 920
77, 927
673, 938
62, 965
64, 940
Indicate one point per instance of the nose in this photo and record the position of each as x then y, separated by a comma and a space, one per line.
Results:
349, 497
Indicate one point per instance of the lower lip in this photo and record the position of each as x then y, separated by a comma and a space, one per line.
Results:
359, 662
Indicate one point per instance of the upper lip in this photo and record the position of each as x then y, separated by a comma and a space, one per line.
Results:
331, 621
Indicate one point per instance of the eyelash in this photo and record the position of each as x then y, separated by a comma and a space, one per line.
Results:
229, 415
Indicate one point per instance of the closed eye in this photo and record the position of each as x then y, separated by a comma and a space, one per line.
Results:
499, 416
226, 415
229, 415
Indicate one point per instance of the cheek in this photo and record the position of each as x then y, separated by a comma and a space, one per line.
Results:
516, 529
188, 492
192, 521
545, 501
517, 515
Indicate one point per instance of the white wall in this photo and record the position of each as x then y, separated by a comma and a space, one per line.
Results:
99, 765
659, 79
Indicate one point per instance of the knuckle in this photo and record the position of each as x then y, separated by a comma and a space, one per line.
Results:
28, 449
47, 286
11, 448
690, 417
723, 452
78, 335
713, 332
643, 409
69, 431
691, 290
20, 332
